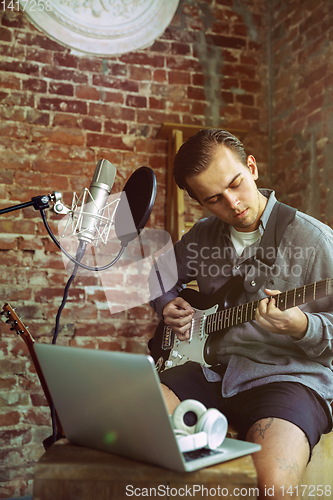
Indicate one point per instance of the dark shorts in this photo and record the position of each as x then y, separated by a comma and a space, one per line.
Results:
290, 401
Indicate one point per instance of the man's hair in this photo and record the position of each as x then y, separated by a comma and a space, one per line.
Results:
196, 154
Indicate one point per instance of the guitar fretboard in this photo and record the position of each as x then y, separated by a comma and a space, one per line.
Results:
246, 312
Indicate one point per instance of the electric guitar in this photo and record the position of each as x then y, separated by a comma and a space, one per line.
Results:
214, 315
18, 326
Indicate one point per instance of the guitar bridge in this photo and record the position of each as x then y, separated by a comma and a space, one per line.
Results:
168, 338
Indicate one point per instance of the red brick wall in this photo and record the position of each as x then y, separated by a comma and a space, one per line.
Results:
60, 113
302, 109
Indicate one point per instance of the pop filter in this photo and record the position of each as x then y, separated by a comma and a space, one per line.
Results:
136, 203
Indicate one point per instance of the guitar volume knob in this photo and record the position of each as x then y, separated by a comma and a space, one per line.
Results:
174, 353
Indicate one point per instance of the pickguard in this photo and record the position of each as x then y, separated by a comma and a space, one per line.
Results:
192, 349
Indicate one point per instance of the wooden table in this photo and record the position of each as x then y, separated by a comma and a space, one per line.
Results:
70, 472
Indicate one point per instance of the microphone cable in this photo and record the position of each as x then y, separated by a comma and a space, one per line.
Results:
84, 266
79, 254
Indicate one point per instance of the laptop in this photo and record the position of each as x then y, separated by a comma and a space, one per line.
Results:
112, 401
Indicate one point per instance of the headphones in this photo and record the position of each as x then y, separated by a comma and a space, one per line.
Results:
208, 432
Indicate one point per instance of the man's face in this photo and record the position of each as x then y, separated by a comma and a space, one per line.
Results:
228, 190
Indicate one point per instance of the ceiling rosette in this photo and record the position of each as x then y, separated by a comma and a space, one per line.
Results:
101, 27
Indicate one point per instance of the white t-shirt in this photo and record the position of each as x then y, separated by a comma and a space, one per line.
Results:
243, 239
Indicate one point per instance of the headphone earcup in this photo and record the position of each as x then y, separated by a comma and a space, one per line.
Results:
215, 425
185, 406
211, 426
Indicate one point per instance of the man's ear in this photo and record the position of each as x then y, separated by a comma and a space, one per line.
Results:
252, 166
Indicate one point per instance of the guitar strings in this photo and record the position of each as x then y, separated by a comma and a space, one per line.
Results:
235, 315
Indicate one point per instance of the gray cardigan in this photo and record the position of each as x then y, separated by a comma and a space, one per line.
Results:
253, 356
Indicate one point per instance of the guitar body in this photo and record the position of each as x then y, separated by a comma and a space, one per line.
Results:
167, 351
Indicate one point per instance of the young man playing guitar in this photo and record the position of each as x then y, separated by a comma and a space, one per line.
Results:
273, 375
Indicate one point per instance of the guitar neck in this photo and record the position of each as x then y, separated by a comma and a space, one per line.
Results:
246, 312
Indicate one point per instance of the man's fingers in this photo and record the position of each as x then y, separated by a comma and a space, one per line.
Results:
183, 306
178, 312
184, 336
178, 315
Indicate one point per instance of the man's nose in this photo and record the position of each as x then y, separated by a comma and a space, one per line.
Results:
232, 200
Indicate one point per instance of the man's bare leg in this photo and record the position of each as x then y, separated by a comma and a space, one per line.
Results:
282, 460
170, 398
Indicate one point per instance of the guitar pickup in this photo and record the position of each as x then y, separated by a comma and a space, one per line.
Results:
168, 338
202, 326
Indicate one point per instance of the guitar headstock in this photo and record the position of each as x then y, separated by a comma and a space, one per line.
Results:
16, 323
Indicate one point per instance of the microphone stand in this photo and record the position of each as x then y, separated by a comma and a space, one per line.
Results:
38, 202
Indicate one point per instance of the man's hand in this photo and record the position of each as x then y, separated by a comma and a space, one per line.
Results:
178, 315
291, 322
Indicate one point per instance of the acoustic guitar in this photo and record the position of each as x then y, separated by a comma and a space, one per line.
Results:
22, 330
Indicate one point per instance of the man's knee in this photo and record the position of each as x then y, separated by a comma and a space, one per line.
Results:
170, 398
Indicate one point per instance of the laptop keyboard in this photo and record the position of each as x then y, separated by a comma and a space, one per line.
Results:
202, 453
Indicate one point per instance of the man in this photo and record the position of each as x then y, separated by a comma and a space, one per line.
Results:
273, 376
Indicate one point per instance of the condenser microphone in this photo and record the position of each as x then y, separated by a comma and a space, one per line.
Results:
91, 221
98, 193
